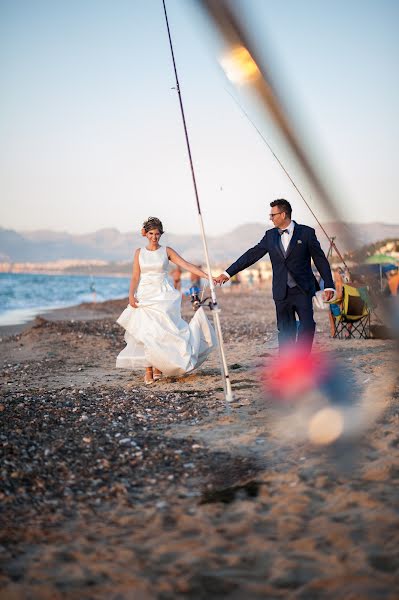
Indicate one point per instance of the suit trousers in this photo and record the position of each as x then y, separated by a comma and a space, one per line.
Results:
296, 302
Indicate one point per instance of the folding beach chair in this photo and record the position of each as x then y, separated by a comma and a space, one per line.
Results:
351, 313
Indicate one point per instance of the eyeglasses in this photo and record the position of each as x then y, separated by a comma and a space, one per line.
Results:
275, 214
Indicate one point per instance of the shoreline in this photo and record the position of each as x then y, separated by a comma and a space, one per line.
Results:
81, 311
69, 273
76, 312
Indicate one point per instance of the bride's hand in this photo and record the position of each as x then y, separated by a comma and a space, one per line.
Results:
133, 302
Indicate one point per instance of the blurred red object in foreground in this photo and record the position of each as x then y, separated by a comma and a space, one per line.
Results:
294, 372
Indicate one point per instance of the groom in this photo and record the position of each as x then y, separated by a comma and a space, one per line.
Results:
291, 247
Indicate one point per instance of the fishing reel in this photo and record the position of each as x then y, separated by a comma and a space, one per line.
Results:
196, 301
195, 298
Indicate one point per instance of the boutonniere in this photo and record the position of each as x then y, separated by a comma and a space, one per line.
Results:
299, 242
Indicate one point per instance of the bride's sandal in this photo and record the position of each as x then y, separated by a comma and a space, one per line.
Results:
157, 375
149, 377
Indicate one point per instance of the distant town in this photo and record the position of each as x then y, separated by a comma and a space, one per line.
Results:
261, 271
109, 252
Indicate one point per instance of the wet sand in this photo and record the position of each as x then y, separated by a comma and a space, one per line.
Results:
114, 490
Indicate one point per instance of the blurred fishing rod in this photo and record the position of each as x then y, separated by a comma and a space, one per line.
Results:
213, 305
330, 239
251, 69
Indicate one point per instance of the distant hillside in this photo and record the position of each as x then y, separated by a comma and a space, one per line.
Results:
112, 245
350, 236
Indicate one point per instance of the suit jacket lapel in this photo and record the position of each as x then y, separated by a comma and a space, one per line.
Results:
294, 239
277, 241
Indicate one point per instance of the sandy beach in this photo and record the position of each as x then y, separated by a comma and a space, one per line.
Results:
114, 490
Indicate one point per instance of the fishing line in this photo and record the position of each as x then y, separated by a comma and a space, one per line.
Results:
330, 239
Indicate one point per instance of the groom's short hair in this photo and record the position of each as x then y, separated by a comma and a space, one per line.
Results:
283, 205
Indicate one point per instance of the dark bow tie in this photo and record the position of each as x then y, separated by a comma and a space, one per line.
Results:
281, 231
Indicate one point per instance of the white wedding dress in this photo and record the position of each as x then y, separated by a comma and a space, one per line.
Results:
156, 335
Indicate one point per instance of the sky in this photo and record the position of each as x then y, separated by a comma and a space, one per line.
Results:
91, 135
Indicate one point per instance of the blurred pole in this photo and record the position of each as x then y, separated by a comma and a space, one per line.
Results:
254, 72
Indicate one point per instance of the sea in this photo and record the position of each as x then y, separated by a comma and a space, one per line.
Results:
25, 295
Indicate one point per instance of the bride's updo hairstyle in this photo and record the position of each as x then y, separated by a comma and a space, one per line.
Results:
152, 223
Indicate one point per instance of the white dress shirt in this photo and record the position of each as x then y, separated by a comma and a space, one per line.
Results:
286, 237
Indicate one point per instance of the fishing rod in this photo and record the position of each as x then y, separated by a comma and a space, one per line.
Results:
213, 304
330, 239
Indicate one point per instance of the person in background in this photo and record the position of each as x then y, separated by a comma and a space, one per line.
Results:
260, 278
235, 281
195, 280
393, 282
176, 277
340, 277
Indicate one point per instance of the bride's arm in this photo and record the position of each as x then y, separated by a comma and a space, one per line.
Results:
135, 279
179, 261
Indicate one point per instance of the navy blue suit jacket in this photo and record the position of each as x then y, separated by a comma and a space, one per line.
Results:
303, 247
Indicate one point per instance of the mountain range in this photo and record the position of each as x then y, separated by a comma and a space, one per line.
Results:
112, 245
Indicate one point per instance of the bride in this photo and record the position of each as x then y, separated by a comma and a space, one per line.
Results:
156, 336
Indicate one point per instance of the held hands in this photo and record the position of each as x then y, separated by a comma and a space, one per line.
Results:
213, 279
221, 279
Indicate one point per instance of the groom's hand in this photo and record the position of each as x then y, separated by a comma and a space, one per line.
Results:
328, 295
221, 279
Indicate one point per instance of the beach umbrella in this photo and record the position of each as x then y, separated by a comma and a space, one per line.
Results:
383, 263
380, 259
374, 268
